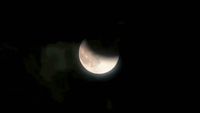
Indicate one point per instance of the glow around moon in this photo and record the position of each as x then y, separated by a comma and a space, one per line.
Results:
94, 63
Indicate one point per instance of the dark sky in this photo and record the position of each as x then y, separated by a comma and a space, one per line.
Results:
140, 83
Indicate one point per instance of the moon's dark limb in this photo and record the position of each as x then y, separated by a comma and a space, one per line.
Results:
104, 48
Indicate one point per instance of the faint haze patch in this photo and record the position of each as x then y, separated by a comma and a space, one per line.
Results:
55, 66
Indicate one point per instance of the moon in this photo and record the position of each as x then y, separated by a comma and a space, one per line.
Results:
95, 63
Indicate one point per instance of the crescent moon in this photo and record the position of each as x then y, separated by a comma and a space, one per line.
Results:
95, 63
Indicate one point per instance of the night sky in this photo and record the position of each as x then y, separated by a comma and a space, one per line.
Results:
140, 84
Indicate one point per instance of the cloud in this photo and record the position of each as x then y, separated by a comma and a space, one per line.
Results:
58, 64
